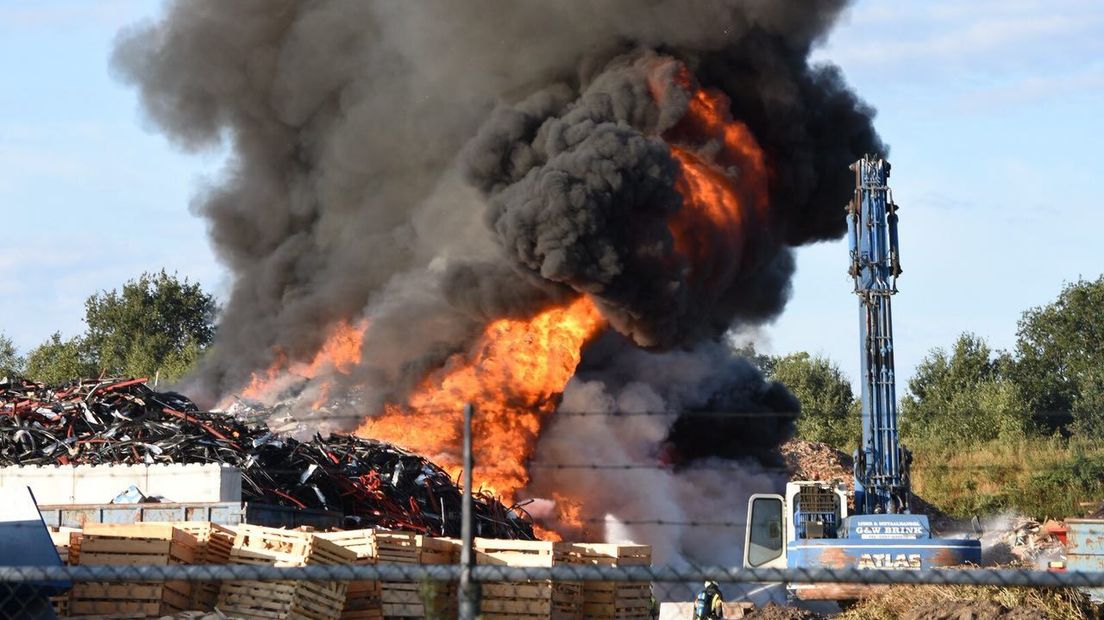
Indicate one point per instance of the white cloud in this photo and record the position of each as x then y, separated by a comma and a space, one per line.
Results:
958, 32
1083, 82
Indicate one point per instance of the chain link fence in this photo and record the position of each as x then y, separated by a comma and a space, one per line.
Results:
428, 591
141, 577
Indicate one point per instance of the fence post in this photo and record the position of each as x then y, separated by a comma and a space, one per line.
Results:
469, 590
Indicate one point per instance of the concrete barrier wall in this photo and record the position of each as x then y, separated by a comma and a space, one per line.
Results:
99, 484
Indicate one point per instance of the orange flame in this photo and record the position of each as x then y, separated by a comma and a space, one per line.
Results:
711, 210
512, 375
261, 384
543, 533
724, 176
340, 352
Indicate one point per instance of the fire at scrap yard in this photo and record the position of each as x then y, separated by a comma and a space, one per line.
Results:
531, 286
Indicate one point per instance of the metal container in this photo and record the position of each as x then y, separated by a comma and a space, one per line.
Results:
1085, 550
223, 513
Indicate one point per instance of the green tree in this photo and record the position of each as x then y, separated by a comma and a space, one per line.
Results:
829, 410
1059, 361
964, 395
765, 363
11, 365
155, 324
58, 361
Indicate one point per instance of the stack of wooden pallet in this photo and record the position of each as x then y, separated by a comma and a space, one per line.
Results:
214, 546
318, 600
608, 600
405, 599
439, 597
532, 599
363, 598
63, 539
156, 544
206, 543
71, 539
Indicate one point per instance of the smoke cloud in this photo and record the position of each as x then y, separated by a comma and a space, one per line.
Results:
582, 187
621, 409
431, 166
347, 123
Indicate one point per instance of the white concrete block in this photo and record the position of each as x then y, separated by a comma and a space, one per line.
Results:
99, 484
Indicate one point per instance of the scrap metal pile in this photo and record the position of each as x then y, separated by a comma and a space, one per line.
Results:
124, 421
1017, 539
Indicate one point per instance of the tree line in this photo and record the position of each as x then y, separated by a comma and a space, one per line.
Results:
1050, 383
156, 325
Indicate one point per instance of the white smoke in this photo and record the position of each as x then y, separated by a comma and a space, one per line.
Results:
690, 515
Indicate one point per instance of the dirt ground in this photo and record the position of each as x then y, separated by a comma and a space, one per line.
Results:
971, 610
779, 612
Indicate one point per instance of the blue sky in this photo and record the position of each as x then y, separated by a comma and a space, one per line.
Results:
992, 110
89, 196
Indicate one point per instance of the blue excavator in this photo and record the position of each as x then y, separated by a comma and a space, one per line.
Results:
811, 526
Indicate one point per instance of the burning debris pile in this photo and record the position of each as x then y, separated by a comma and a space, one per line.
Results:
123, 421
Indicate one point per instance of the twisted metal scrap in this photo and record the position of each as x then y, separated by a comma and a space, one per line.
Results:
123, 421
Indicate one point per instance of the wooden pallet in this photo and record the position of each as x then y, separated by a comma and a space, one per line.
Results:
215, 542
624, 606
363, 599
61, 539
74, 547
363, 542
605, 600
419, 600
538, 553
396, 547
137, 544
609, 554
438, 550
253, 544
531, 599
411, 599
610, 592
294, 600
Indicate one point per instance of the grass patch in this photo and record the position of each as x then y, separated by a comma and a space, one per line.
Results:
1042, 477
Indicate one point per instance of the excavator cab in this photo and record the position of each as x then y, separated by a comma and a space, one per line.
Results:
810, 510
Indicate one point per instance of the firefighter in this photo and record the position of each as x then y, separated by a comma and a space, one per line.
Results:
710, 603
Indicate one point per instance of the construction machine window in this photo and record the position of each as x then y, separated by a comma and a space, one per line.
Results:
765, 537
816, 512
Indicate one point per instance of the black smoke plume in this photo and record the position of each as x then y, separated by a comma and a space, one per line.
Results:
581, 185
348, 189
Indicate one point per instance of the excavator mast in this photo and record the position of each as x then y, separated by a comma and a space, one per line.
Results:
881, 463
